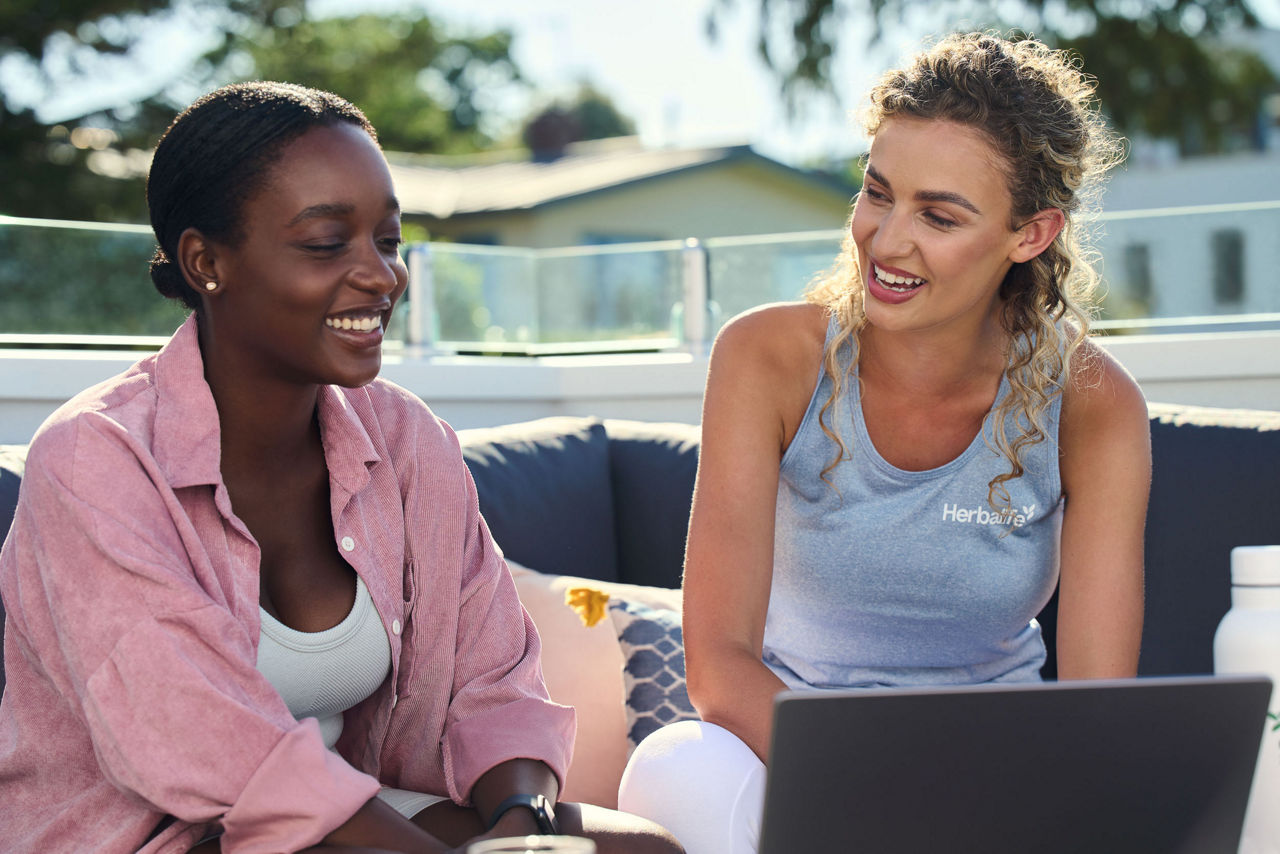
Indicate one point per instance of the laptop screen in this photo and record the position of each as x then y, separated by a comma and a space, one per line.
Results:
1134, 765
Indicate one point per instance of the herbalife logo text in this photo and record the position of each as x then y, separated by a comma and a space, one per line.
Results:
982, 516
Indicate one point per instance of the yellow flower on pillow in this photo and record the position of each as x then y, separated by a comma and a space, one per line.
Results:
588, 602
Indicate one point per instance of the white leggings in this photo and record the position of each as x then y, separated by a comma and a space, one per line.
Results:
702, 783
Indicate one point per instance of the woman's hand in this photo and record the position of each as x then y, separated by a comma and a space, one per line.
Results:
377, 827
461, 826
498, 832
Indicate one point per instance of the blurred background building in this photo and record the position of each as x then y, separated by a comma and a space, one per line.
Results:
614, 191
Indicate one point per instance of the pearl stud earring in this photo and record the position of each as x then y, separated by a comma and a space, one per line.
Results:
210, 286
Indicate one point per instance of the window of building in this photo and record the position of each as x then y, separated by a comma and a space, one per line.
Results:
480, 238
1227, 253
1137, 275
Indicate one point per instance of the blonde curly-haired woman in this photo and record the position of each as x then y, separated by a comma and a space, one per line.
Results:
897, 472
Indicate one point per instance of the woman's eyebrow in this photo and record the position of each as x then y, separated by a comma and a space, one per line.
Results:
321, 211
331, 209
929, 195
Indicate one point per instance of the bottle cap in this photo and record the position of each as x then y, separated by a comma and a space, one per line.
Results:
1255, 566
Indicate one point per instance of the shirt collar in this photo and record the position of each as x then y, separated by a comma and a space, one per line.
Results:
188, 442
188, 438
348, 450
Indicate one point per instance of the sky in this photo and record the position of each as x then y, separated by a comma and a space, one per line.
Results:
656, 61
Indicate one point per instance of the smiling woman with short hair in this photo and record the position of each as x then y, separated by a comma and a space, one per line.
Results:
252, 605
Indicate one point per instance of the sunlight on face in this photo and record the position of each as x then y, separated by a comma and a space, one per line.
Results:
307, 294
932, 225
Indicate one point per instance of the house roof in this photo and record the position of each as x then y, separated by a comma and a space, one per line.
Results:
442, 187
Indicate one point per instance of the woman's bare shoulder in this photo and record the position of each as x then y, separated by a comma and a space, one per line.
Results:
778, 338
763, 369
1100, 396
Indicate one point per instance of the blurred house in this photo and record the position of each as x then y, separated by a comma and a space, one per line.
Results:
1193, 236
613, 191
1190, 236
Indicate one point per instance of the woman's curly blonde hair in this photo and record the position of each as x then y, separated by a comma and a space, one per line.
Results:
1037, 109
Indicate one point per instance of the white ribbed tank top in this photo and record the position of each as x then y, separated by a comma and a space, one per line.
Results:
322, 674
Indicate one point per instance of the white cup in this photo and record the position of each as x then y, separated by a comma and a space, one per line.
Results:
533, 845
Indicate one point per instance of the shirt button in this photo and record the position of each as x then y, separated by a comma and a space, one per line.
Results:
348, 544
395, 627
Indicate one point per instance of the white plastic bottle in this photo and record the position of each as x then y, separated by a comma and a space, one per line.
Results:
1248, 641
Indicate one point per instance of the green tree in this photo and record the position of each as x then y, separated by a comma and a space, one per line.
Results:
598, 116
423, 89
590, 114
69, 44
36, 29
1164, 69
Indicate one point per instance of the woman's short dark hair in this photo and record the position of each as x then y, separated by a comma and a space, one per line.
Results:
216, 155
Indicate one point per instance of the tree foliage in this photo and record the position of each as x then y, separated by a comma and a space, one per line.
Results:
423, 89
1164, 69
590, 114
66, 45
28, 26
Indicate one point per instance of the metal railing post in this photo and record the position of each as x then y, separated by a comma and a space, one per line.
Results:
694, 278
419, 337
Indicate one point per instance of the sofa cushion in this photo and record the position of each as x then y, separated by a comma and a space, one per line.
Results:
13, 463
653, 648
653, 466
545, 493
583, 668
1214, 478
13, 460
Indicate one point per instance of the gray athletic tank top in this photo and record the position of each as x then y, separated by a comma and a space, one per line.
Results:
900, 578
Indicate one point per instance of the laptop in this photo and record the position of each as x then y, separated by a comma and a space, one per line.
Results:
1131, 765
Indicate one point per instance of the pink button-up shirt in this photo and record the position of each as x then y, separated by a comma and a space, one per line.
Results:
131, 641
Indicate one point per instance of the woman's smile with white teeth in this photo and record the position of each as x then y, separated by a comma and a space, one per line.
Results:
359, 324
903, 282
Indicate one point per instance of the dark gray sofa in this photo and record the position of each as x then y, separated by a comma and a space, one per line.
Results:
610, 500
553, 490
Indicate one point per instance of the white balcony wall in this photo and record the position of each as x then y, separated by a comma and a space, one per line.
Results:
1237, 370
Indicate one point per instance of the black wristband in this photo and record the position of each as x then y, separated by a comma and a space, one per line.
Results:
543, 814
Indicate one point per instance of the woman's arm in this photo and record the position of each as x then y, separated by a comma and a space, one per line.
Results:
498, 708
763, 368
513, 777
377, 826
1105, 442
111, 589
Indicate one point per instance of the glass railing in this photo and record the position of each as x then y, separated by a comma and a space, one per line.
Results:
68, 279
586, 298
753, 270
477, 294
609, 294
1205, 268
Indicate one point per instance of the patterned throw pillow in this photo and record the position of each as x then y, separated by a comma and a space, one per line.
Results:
653, 670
